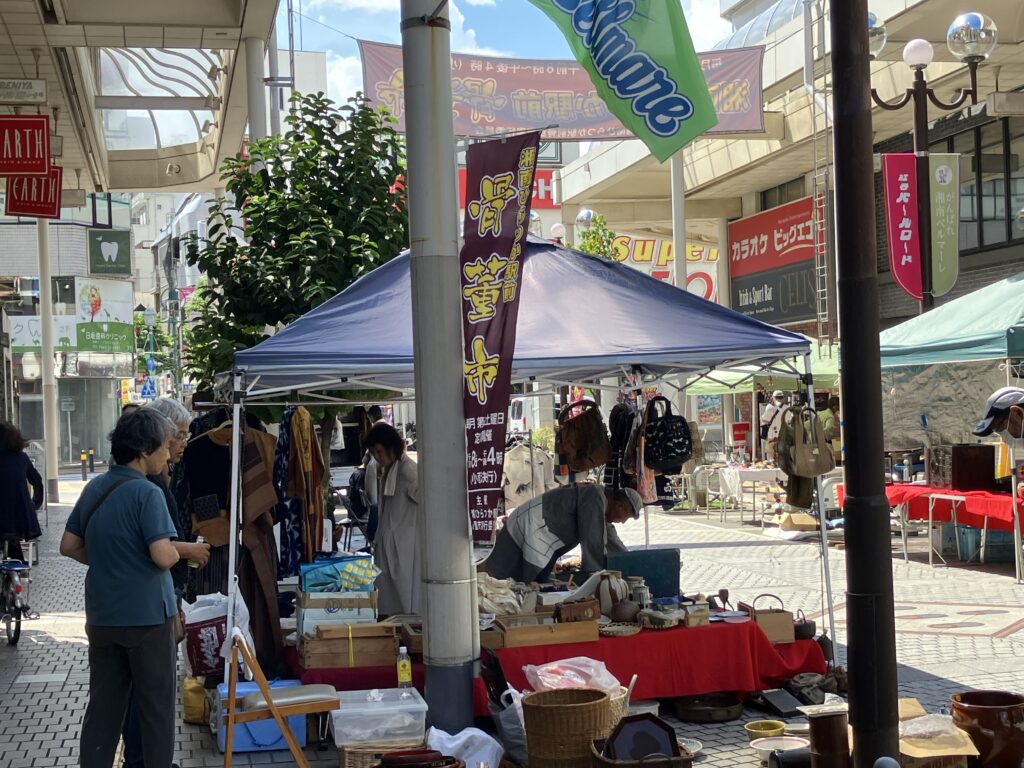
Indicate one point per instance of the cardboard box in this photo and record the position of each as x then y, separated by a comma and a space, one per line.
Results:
372, 645
946, 753
315, 609
795, 521
697, 614
541, 629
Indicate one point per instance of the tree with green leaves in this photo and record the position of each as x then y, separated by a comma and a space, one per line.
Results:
597, 239
320, 206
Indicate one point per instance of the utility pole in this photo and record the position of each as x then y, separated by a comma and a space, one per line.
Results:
869, 600
449, 579
51, 428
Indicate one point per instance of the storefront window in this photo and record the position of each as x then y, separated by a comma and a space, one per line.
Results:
1016, 177
993, 184
964, 145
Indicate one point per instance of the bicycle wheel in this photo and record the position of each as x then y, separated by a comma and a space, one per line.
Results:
13, 626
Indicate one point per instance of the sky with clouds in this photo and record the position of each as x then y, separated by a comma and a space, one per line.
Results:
513, 28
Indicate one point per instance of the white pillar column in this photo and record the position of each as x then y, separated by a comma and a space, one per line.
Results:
275, 91
255, 90
725, 299
451, 626
678, 219
51, 427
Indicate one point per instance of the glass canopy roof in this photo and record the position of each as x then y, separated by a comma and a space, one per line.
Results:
765, 23
153, 98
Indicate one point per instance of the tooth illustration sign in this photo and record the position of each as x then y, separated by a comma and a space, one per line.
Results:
109, 251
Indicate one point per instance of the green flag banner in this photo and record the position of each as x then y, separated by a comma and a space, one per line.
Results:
641, 60
945, 219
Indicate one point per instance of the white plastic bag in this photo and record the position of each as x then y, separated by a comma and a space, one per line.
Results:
577, 672
207, 639
471, 745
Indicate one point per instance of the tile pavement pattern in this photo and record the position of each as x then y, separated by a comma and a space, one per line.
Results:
44, 680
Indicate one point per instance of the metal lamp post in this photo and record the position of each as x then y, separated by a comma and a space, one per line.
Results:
971, 38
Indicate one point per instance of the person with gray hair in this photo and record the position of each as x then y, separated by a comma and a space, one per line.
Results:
121, 529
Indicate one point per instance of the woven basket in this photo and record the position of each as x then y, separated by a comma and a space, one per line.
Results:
561, 726
369, 755
618, 708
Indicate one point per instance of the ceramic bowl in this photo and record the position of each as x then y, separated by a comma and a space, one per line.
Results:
761, 729
765, 747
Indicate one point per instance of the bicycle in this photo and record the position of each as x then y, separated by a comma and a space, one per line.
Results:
14, 581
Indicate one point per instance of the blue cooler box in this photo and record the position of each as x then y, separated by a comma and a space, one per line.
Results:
263, 735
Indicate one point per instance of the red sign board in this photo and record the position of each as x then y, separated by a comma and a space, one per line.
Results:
24, 145
543, 189
772, 239
37, 196
899, 174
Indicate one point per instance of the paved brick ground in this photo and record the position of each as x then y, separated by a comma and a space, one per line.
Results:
44, 681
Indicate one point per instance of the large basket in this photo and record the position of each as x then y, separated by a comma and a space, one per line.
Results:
561, 726
369, 755
618, 708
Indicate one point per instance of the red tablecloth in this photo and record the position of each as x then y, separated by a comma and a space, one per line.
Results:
978, 506
686, 661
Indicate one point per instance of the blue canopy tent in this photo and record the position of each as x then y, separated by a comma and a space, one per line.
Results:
580, 319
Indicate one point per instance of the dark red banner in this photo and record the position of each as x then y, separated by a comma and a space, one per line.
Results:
493, 95
499, 187
24, 145
899, 174
772, 239
37, 196
543, 189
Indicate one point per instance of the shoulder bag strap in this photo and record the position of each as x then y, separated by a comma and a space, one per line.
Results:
86, 517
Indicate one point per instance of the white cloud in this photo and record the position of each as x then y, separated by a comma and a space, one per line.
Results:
706, 25
344, 77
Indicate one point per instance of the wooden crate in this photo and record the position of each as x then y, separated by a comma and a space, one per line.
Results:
373, 645
541, 629
412, 638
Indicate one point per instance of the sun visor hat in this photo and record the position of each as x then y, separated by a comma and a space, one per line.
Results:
999, 403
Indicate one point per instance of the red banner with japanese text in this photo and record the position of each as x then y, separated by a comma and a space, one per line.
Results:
899, 174
556, 96
499, 185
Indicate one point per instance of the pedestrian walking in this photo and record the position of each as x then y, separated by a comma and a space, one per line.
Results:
121, 529
18, 518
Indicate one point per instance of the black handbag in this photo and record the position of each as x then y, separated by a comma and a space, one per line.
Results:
668, 443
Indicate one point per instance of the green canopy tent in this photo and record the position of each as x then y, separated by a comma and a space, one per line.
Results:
824, 359
939, 368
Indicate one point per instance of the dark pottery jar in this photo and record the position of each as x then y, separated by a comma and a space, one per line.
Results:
995, 722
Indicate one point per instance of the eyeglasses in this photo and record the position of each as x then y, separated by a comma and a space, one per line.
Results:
181, 437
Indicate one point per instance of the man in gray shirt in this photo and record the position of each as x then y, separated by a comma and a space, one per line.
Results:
546, 527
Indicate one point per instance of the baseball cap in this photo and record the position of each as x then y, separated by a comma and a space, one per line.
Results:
635, 501
777, 394
1000, 401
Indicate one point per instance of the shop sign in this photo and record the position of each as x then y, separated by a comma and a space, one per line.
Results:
110, 252
24, 145
656, 257
899, 176
22, 91
945, 209
500, 184
496, 95
124, 391
771, 263
104, 315
543, 189
26, 333
37, 196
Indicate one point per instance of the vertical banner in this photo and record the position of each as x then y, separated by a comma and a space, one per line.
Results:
37, 196
498, 190
642, 63
945, 209
899, 175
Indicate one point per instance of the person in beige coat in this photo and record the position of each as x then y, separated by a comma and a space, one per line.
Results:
396, 545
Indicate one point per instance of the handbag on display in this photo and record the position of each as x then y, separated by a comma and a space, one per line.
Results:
581, 439
667, 440
812, 454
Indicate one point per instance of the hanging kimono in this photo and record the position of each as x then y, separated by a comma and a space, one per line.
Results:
289, 512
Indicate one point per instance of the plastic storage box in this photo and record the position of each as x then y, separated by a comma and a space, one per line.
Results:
998, 545
263, 735
387, 714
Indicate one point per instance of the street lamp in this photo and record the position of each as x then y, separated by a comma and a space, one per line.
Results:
971, 38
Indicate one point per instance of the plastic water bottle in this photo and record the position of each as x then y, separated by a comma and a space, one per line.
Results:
193, 563
404, 668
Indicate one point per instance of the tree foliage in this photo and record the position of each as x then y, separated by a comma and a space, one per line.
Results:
305, 215
597, 238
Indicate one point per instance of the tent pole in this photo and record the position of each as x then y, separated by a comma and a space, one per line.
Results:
236, 452
448, 576
1017, 559
822, 527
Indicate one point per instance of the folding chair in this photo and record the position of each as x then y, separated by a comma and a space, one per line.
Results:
279, 703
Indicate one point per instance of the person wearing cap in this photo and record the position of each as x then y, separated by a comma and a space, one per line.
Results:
548, 526
771, 423
997, 413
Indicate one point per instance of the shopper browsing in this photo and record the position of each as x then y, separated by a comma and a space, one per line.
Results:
396, 546
771, 423
548, 526
121, 529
